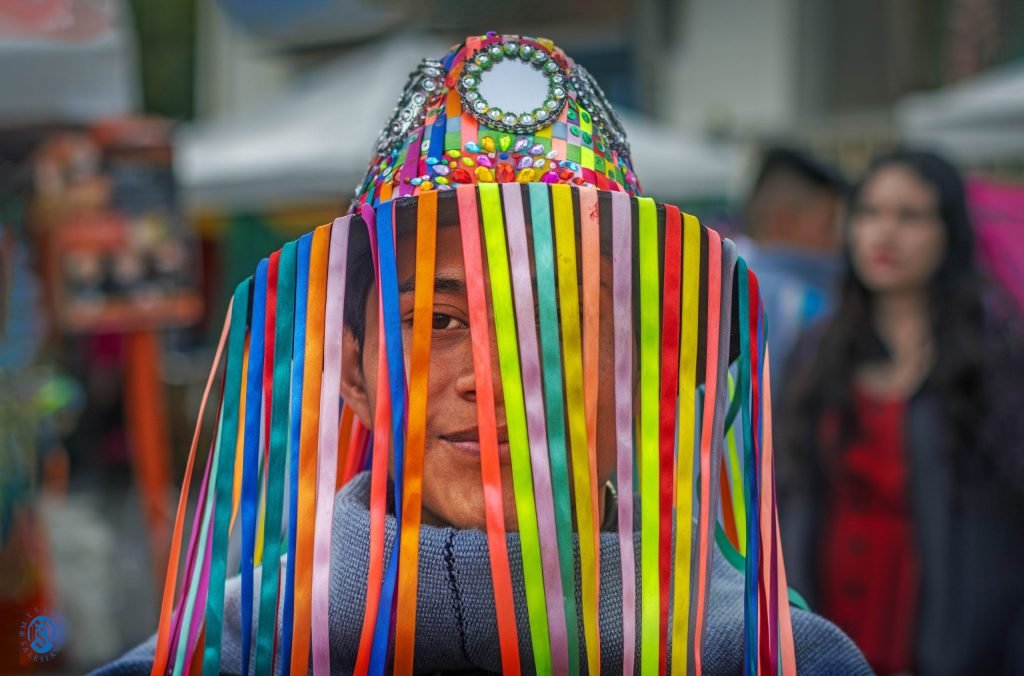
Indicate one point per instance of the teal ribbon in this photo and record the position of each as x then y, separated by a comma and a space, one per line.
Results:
551, 356
278, 447
225, 469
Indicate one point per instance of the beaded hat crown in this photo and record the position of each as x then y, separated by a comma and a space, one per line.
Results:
508, 140
449, 129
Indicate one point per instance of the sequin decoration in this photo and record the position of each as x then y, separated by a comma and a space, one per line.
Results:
423, 90
591, 97
519, 122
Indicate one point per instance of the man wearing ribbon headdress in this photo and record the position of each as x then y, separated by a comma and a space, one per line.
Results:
544, 395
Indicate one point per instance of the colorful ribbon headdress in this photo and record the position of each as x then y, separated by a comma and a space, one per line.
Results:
542, 192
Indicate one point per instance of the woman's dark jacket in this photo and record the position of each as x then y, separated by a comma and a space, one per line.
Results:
968, 522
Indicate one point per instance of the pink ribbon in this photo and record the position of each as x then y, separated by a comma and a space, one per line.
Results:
519, 257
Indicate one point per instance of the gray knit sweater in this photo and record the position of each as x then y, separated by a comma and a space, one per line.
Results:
456, 628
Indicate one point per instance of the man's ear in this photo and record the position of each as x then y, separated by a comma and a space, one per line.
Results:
353, 382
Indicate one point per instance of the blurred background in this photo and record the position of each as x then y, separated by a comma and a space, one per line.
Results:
152, 152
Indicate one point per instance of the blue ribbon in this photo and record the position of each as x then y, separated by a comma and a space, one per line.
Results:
396, 382
251, 452
278, 446
749, 480
295, 420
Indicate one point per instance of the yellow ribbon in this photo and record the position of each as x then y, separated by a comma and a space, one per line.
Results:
568, 295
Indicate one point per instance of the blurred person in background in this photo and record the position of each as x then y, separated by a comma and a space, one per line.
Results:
793, 217
903, 508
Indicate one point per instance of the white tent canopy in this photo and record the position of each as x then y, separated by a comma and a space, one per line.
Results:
64, 62
313, 141
979, 120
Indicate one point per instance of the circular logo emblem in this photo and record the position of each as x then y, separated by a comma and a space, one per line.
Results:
41, 635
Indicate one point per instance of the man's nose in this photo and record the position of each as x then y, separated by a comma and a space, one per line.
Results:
465, 381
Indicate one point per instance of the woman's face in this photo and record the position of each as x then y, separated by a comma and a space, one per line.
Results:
452, 484
896, 237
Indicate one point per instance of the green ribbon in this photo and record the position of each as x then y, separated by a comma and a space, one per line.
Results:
225, 468
278, 444
515, 418
551, 356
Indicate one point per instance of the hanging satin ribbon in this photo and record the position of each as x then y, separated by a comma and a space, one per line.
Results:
768, 532
294, 431
224, 488
277, 448
328, 421
622, 299
236, 489
161, 651
736, 468
388, 285
668, 413
714, 277
308, 452
787, 650
379, 470
196, 598
533, 395
196, 627
489, 462
649, 360
747, 358
551, 355
515, 419
193, 550
412, 495
568, 295
378, 510
250, 464
722, 336
686, 443
590, 249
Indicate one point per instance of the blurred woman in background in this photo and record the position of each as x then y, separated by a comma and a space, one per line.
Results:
903, 484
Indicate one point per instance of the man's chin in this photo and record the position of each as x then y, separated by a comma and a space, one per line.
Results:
469, 517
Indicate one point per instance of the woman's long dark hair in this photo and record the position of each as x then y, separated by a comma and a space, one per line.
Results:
964, 343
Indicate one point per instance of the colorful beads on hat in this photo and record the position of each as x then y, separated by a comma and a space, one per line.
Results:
504, 173
526, 175
505, 148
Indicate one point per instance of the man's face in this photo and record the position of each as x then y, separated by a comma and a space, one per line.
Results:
452, 484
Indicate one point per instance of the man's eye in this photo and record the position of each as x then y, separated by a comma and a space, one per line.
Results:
443, 322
